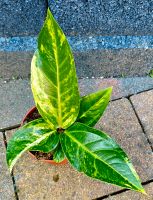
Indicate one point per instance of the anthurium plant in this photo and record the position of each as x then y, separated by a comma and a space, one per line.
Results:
66, 123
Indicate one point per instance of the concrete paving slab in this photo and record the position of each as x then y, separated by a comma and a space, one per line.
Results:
6, 184
16, 96
143, 104
15, 100
34, 179
122, 87
134, 196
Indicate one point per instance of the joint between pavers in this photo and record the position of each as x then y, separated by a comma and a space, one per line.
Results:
10, 127
122, 191
129, 96
12, 175
147, 90
143, 129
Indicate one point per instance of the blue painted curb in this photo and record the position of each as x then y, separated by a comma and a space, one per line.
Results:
81, 44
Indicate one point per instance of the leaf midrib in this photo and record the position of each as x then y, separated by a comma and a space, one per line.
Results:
94, 155
58, 81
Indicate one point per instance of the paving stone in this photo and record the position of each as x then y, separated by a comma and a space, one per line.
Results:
6, 184
143, 104
35, 179
88, 86
16, 96
16, 99
122, 87
129, 195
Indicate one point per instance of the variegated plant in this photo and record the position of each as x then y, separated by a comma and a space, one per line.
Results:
66, 122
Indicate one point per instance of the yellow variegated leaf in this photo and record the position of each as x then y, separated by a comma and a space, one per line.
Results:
97, 155
53, 77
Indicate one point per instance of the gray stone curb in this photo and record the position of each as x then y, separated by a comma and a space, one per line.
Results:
94, 63
80, 43
108, 56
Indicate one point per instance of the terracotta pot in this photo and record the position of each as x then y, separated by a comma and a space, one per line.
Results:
27, 115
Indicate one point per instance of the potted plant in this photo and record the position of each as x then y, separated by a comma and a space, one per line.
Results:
63, 126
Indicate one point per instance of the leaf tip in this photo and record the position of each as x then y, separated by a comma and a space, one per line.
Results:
143, 192
48, 11
10, 166
110, 89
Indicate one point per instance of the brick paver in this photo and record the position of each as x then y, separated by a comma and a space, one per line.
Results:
6, 184
35, 179
143, 104
15, 100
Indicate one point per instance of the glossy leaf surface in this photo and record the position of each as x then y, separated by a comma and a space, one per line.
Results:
26, 138
92, 106
98, 156
53, 77
58, 155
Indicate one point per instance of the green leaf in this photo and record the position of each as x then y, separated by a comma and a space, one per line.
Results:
47, 145
98, 156
53, 77
26, 138
151, 73
93, 106
58, 155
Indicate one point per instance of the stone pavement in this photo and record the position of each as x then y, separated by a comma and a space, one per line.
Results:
6, 186
128, 119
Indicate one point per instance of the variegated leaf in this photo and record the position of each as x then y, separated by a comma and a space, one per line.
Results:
53, 77
92, 106
34, 134
98, 156
58, 155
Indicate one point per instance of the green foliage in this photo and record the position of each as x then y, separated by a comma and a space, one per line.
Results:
97, 155
53, 77
33, 136
59, 155
93, 106
151, 73
65, 128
